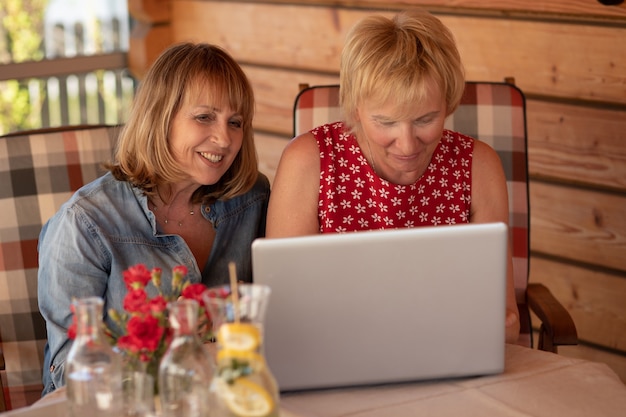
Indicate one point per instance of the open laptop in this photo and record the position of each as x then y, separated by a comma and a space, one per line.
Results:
381, 307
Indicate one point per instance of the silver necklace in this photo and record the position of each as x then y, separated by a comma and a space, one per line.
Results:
369, 149
165, 218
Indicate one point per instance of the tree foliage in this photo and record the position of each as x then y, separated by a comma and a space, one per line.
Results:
20, 40
23, 23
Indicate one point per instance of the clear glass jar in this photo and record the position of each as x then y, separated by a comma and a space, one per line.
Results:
93, 371
243, 385
138, 387
186, 369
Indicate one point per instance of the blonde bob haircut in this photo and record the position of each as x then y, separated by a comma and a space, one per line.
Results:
395, 60
183, 72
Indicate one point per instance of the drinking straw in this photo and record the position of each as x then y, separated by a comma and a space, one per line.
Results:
234, 292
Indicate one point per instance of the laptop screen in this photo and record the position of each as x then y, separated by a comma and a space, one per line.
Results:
384, 306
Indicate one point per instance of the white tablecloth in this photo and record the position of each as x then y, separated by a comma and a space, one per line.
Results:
533, 384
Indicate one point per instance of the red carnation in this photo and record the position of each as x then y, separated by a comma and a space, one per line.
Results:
180, 269
71, 331
137, 276
135, 301
158, 304
144, 333
194, 292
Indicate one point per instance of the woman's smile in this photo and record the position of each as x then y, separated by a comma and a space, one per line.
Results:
211, 157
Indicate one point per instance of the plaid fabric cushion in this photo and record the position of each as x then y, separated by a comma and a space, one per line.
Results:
492, 112
315, 106
495, 113
39, 171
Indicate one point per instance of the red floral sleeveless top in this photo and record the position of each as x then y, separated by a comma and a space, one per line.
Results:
353, 197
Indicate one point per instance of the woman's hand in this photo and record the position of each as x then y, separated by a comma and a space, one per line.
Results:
512, 326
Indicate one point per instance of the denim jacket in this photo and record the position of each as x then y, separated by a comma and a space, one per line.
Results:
105, 228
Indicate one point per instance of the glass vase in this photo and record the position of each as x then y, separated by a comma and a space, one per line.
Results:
243, 385
93, 371
186, 369
138, 387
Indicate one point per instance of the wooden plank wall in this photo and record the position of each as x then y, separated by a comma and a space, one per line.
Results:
569, 57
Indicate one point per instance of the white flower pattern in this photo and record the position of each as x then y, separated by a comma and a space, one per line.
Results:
353, 197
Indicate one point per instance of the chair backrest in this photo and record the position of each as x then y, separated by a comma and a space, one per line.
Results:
493, 112
39, 171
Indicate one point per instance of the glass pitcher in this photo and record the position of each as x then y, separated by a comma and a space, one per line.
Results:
243, 385
93, 371
186, 370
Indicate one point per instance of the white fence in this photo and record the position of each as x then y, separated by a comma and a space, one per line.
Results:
84, 78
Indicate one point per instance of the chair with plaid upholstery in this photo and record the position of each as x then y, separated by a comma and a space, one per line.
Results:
496, 114
39, 171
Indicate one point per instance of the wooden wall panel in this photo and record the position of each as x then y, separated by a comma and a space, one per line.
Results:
594, 298
310, 43
579, 224
560, 59
546, 58
569, 58
578, 144
269, 148
581, 9
275, 92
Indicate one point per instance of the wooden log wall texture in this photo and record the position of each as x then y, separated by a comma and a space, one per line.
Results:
569, 57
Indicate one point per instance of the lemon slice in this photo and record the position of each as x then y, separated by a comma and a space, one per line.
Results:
239, 363
255, 359
239, 336
245, 398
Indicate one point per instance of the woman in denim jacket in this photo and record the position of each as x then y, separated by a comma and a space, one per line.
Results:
184, 189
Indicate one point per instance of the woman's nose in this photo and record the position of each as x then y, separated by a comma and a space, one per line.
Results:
407, 139
220, 134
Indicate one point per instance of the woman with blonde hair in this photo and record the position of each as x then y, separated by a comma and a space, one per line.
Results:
390, 163
183, 189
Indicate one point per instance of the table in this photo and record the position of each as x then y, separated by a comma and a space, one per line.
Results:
533, 384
